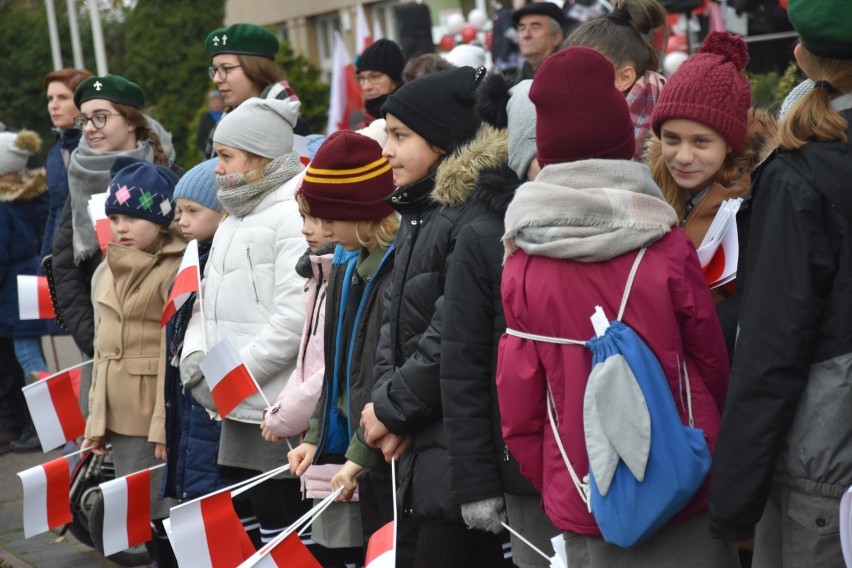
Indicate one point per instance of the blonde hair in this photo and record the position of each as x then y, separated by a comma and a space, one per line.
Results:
813, 117
382, 232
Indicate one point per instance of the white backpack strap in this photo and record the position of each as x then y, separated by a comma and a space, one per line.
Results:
685, 378
630, 282
542, 338
582, 487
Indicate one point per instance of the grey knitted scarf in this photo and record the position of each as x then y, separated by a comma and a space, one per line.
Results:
588, 211
240, 193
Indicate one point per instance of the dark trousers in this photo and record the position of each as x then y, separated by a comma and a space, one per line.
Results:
453, 545
13, 407
376, 499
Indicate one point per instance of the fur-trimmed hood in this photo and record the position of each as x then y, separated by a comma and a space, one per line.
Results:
457, 175
761, 140
29, 186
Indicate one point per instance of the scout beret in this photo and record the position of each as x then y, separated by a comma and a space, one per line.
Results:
113, 88
242, 39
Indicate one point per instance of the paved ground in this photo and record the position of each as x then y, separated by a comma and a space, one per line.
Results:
47, 550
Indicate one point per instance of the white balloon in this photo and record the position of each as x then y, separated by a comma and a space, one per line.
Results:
455, 22
672, 61
477, 18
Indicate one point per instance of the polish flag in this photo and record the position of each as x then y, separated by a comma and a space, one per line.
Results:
207, 533
47, 504
290, 552
381, 550
300, 146
186, 282
103, 231
54, 409
719, 250
127, 511
363, 37
34, 298
227, 376
345, 91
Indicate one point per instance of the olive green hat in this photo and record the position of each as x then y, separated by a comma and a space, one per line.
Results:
113, 88
242, 39
824, 26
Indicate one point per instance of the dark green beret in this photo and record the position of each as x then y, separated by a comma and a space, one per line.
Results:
113, 88
824, 26
242, 39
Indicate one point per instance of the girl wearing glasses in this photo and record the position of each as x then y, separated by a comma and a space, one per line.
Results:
243, 66
112, 125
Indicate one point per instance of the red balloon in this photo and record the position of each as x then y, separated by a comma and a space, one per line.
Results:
468, 33
447, 42
677, 42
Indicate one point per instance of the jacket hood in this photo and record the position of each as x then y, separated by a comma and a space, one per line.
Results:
761, 139
828, 165
496, 188
458, 173
32, 184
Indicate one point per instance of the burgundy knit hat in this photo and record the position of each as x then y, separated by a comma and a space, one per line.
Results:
580, 114
348, 180
710, 88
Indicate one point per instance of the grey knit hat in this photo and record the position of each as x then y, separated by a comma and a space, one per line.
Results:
199, 185
521, 115
263, 127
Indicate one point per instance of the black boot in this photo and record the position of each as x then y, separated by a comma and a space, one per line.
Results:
28, 440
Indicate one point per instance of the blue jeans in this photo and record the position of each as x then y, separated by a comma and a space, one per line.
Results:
29, 355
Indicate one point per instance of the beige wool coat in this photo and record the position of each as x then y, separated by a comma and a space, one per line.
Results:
129, 291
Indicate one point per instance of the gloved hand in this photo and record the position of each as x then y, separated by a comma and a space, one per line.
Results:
485, 515
193, 379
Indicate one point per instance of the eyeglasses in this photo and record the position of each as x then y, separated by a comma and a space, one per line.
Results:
370, 78
221, 70
98, 120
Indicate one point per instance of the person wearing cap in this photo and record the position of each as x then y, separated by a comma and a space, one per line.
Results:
253, 297
242, 65
541, 28
346, 187
112, 124
129, 292
379, 73
23, 207
437, 148
603, 211
783, 458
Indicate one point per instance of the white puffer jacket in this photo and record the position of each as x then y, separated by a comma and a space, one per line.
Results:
253, 295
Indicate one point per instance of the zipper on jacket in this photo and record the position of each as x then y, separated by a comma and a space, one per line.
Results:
251, 272
505, 453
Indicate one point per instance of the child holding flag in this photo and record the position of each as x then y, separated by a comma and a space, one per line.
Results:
346, 186
129, 291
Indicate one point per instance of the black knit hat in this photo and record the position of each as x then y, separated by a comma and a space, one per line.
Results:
383, 56
439, 107
541, 9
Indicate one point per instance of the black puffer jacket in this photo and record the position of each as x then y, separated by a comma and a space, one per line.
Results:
786, 415
473, 322
407, 394
74, 284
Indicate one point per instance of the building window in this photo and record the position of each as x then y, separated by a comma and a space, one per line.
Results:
326, 25
383, 12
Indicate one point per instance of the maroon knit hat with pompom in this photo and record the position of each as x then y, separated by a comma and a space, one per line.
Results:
710, 88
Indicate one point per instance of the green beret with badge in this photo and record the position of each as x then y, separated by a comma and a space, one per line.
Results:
824, 26
114, 88
242, 39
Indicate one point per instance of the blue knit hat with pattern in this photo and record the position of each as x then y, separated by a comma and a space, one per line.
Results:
142, 190
199, 185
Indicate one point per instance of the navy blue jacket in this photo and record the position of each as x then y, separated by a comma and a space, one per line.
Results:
57, 182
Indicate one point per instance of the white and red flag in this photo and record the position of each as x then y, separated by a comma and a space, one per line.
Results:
47, 504
345, 91
720, 248
187, 281
300, 146
34, 298
381, 549
227, 376
207, 533
288, 553
363, 36
103, 230
127, 511
54, 409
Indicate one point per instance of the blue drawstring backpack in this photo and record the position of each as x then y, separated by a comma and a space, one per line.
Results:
645, 465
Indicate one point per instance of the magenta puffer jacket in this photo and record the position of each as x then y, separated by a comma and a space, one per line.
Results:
670, 308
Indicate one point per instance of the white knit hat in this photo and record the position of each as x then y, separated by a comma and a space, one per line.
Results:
16, 148
263, 127
521, 114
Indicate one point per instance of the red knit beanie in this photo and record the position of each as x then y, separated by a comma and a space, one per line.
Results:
710, 88
348, 180
579, 113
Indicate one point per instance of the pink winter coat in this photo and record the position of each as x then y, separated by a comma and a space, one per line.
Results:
671, 310
297, 400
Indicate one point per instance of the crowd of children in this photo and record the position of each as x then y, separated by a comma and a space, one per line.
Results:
416, 300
